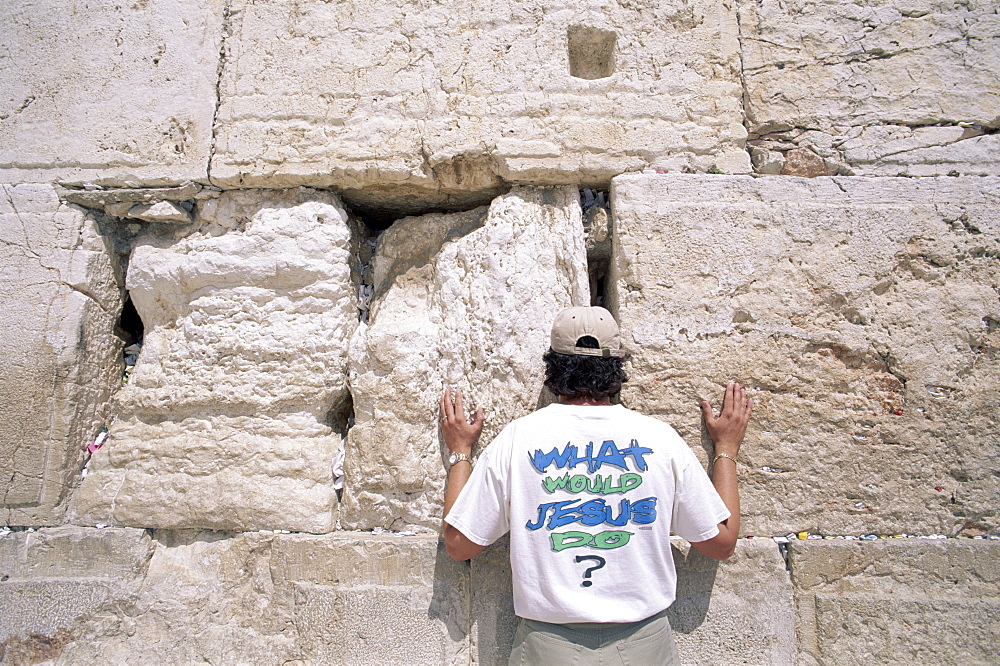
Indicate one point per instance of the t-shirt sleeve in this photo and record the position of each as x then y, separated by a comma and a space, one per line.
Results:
698, 508
482, 510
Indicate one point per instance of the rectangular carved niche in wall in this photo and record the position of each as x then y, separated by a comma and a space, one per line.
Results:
591, 52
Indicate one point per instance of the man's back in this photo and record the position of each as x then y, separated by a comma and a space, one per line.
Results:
590, 495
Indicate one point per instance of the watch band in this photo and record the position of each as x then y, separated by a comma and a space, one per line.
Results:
457, 458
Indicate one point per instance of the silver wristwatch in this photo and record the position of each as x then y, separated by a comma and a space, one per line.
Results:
458, 457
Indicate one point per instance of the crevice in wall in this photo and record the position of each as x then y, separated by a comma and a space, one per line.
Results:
340, 418
596, 205
131, 329
379, 211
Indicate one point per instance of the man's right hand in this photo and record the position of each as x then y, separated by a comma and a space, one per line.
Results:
730, 427
458, 432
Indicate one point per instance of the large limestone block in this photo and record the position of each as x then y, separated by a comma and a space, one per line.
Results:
363, 599
863, 315
60, 302
228, 420
261, 598
463, 300
839, 64
445, 101
56, 580
886, 602
872, 88
204, 597
109, 93
736, 612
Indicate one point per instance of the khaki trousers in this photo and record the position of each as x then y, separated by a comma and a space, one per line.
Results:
649, 642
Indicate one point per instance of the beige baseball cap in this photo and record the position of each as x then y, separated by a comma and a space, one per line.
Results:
574, 323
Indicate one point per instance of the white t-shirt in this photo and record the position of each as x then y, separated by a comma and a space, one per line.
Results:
590, 496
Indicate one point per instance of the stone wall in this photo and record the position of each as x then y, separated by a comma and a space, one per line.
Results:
315, 216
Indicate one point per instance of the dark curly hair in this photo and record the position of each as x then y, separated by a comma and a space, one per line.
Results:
575, 376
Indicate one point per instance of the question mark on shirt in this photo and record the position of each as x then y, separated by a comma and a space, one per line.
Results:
586, 574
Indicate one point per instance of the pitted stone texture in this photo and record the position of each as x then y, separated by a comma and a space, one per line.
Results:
901, 600
227, 421
115, 94
740, 611
862, 314
842, 64
62, 361
257, 598
446, 101
363, 599
866, 84
462, 300
56, 580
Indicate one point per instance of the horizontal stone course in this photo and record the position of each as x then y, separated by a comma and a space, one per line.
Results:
448, 101
897, 600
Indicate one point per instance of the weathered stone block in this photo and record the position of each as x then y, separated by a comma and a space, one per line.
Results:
844, 64
462, 300
62, 361
232, 413
887, 89
363, 599
56, 580
738, 611
887, 150
897, 600
267, 598
111, 93
861, 313
445, 102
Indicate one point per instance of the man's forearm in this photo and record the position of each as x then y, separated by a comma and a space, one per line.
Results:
725, 482
458, 476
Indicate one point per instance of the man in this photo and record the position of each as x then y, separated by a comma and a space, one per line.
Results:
590, 493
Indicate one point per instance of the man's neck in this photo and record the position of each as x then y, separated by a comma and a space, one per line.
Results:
585, 401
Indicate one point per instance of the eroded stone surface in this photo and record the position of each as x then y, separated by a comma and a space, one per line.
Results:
230, 413
863, 315
897, 600
62, 360
79, 595
116, 94
361, 599
58, 580
449, 100
865, 85
738, 611
463, 300
824, 65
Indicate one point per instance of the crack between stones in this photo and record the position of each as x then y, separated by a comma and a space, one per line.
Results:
744, 91
223, 45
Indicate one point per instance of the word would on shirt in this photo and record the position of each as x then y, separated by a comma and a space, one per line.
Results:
598, 485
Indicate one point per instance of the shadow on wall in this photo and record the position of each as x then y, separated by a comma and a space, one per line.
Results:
695, 580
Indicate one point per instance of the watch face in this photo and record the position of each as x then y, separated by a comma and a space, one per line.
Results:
453, 459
